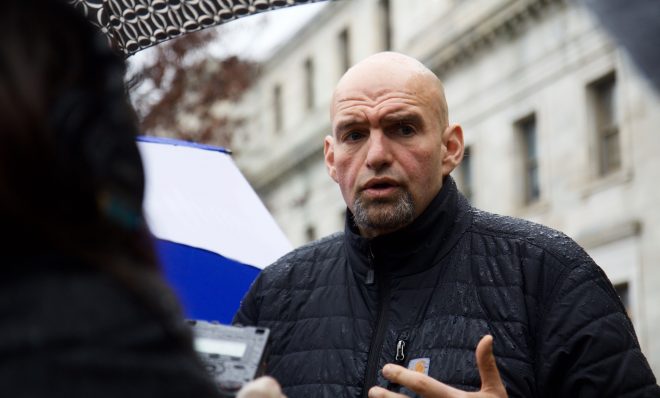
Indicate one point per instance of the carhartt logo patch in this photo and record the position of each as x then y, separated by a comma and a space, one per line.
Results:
420, 365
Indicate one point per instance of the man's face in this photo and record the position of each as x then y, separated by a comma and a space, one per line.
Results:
386, 151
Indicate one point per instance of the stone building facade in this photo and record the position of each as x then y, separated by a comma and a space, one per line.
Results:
559, 126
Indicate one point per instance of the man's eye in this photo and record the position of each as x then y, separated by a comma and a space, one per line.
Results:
405, 130
353, 136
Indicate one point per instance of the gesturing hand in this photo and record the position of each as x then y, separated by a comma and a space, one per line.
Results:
263, 387
427, 387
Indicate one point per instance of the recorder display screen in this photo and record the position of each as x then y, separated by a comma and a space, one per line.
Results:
221, 347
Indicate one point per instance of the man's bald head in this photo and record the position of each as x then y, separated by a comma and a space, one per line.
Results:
391, 144
378, 72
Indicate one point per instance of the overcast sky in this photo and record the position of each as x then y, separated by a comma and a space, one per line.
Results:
258, 35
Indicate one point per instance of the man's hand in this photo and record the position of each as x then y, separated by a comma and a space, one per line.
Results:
263, 387
427, 387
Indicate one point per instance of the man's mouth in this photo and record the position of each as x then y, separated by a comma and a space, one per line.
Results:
381, 185
378, 188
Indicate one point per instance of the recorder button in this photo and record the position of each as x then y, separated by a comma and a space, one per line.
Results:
230, 386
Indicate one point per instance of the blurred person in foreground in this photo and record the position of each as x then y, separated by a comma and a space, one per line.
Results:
83, 309
396, 304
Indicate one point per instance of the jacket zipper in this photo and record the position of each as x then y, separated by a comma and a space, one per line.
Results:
399, 358
379, 335
400, 348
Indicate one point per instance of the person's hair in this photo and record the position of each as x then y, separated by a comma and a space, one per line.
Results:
71, 178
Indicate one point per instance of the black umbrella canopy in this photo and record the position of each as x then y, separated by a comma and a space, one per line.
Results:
134, 25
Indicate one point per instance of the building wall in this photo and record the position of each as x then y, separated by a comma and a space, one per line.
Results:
501, 61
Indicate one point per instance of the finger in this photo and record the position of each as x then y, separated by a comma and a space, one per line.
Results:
418, 382
263, 387
379, 392
490, 376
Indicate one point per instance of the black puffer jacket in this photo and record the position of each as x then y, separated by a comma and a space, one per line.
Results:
338, 308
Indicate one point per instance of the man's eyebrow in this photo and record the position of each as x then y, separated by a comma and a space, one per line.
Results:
402, 117
348, 124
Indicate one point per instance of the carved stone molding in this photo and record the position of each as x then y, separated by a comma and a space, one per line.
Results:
505, 24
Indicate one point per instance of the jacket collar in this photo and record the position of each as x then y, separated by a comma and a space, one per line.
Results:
416, 247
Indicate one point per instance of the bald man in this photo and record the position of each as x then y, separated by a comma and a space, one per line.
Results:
396, 304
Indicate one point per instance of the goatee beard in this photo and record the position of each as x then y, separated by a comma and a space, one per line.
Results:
384, 214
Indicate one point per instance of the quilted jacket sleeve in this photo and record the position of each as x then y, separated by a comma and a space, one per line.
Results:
587, 346
248, 312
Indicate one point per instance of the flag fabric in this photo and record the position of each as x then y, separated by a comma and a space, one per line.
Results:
213, 234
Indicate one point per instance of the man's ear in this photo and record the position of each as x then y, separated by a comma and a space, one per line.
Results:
452, 139
329, 154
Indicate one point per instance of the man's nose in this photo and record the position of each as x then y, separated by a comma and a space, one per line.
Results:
379, 153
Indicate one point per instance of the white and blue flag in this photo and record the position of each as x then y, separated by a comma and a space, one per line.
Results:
213, 233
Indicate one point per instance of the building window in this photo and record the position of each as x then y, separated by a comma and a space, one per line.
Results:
623, 292
385, 23
466, 174
608, 142
526, 129
277, 107
344, 50
309, 83
310, 233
